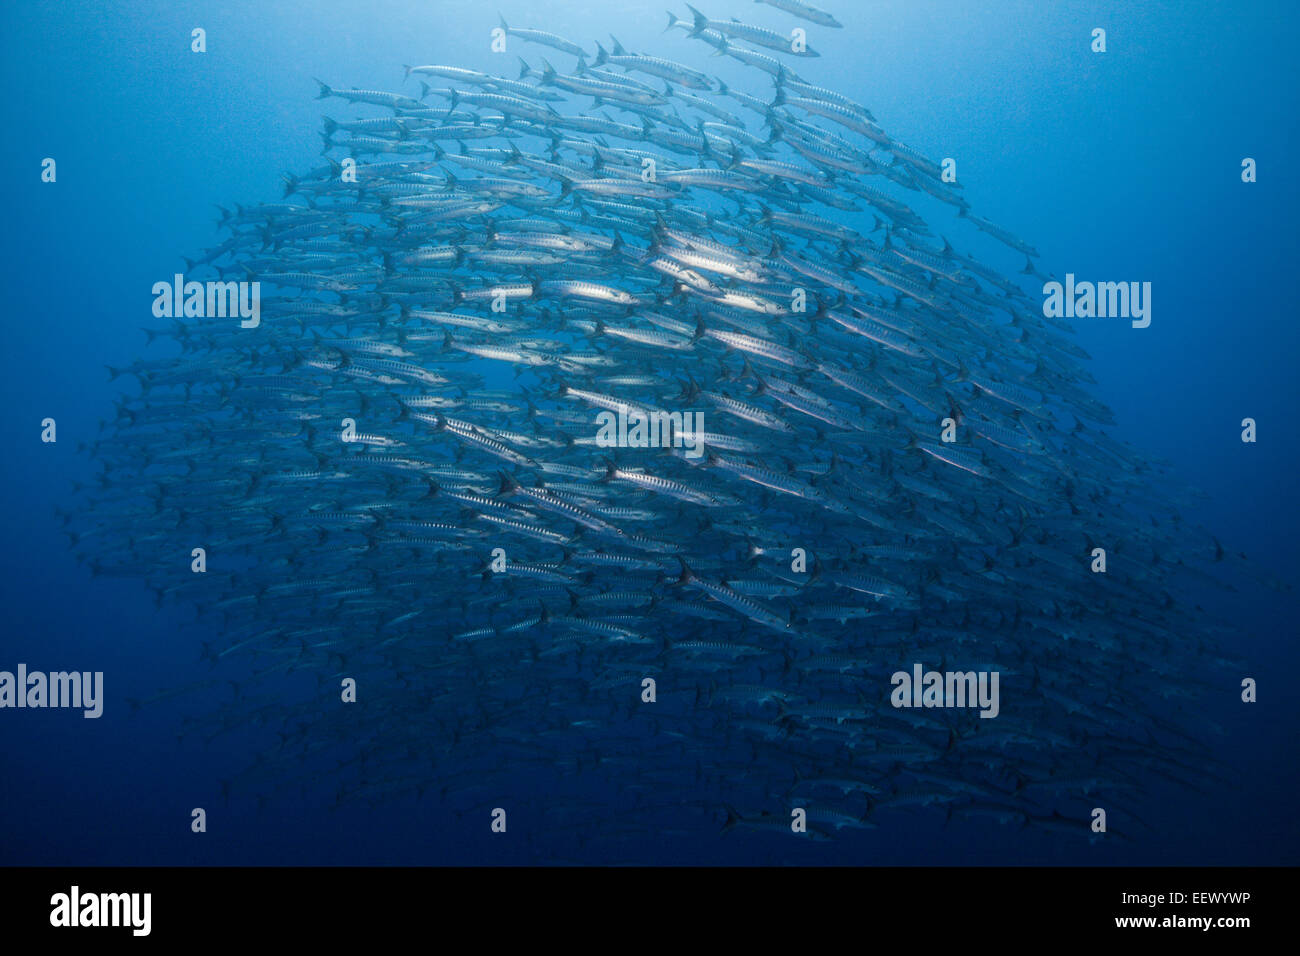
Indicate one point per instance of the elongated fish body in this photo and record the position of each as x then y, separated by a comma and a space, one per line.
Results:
805, 12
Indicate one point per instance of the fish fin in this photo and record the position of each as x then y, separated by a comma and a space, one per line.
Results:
687, 575
701, 21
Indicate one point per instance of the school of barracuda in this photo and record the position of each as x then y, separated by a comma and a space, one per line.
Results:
661, 291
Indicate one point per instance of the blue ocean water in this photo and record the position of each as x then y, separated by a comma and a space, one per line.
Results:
1122, 165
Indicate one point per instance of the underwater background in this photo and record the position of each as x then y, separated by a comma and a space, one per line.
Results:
1123, 165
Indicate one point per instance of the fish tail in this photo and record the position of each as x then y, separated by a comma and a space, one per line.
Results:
701, 21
